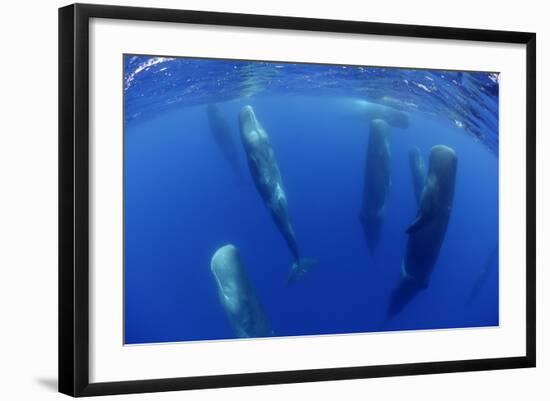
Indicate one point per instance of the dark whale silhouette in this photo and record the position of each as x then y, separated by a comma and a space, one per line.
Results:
376, 183
224, 138
483, 275
427, 232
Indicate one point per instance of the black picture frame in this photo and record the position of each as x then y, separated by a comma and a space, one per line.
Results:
74, 194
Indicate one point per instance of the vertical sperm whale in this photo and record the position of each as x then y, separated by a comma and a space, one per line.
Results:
267, 178
223, 136
237, 296
376, 182
427, 232
483, 275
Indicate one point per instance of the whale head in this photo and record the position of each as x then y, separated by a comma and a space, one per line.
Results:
380, 129
236, 294
247, 119
442, 177
252, 132
225, 266
443, 163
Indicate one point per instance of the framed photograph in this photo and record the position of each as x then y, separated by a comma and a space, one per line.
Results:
250, 199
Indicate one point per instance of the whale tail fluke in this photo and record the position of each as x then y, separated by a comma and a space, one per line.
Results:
299, 268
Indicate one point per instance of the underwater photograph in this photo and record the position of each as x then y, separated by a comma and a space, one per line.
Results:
278, 199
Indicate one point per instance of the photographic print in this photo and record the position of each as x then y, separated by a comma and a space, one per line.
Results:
277, 199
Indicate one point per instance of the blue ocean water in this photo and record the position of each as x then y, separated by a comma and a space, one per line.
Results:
184, 200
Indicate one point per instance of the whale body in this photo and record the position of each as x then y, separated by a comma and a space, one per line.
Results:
376, 182
418, 172
269, 184
427, 232
369, 111
483, 275
224, 138
237, 296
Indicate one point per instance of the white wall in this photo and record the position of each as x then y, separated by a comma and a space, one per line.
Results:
28, 199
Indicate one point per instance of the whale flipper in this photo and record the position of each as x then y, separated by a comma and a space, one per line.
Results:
415, 225
420, 221
428, 206
299, 268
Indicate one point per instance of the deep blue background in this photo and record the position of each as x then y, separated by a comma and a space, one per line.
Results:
182, 202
